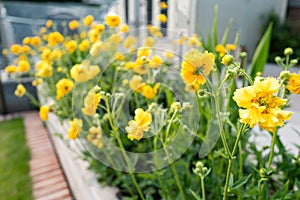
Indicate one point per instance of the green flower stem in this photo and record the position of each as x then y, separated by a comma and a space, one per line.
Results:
231, 158
32, 99
169, 125
263, 188
247, 77
203, 188
173, 168
116, 133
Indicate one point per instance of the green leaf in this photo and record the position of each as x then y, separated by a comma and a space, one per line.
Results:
280, 194
226, 32
197, 197
239, 183
261, 53
215, 29
230, 180
209, 45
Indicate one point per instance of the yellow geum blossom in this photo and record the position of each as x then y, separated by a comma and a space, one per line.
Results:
84, 45
260, 106
96, 47
75, 128
230, 47
84, 72
139, 65
136, 83
35, 41
168, 54
99, 28
227, 59
56, 54
45, 70
25, 49
149, 41
74, 24
49, 23
26, 40
23, 66
20, 90
119, 56
63, 87
93, 35
220, 49
112, 20
124, 28
55, 38
149, 92
163, 5
143, 51
194, 65
294, 83
155, 62
91, 101
11, 69
194, 41
44, 111
71, 46
88, 20
141, 123
95, 136
37, 82
162, 18
16, 49
115, 39
129, 42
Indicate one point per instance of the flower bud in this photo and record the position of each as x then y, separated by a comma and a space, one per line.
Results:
278, 59
227, 60
243, 55
288, 51
294, 61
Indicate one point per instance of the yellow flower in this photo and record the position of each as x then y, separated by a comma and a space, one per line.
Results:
112, 20
74, 24
141, 123
163, 5
230, 47
130, 65
91, 101
220, 49
168, 54
11, 69
115, 39
162, 18
44, 111
194, 41
35, 41
46, 53
56, 54
23, 66
95, 136
136, 82
129, 42
124, 28
20, 91
148, 91
139, 65
71, 46
88, 20
55, 38
63, 87
143, 51
99, 28
45, 70
26, 40
75, 128
49, 23
84, 72
149, 42
42, 30
194, 61
260, 106
95, 49
37, 82
155, 62
84, 45
119, 56
93, 35
25, 49
16, 49
294, 83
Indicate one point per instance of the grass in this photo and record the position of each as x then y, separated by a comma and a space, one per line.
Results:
15, 182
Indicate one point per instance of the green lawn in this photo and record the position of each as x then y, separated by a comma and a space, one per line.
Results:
15, 182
